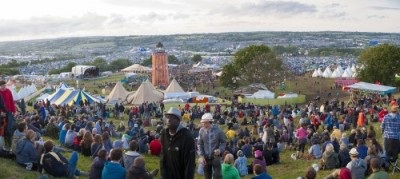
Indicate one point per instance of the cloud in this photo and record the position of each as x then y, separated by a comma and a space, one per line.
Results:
151, 17
376, 17
383, 8
262, 8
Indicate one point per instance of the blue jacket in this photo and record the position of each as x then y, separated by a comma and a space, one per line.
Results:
113, 171
25, 152
262, 176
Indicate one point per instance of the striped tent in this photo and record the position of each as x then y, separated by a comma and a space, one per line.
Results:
70, 96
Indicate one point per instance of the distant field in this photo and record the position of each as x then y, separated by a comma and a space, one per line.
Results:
94, 45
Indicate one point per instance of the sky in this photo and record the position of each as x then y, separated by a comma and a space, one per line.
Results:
39, 19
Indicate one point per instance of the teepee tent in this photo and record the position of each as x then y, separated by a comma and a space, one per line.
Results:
145, 93
174, 90
118, 94
319, 71
327, 73
315, 73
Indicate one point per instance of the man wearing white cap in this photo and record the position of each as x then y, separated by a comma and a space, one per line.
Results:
177, 159
211, 140
357, 166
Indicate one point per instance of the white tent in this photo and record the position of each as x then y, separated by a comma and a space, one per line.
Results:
174, 90
346, 74
136, 68
340, 69
118, 94
327, 73
289, 95
263, 94
315, 73
43, 97
336, 73
319, 71
80, 69
145, 93
353, 68
381, 89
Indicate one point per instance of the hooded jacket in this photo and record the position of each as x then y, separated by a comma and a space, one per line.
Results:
18, 136
357, 168
129, 157
113, 170
331, 160
25, 152
229, 172
97, 168
138, 173
177, 160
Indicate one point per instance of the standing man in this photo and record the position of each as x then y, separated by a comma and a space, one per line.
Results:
391, 133
211, 141
177, 160
10, 109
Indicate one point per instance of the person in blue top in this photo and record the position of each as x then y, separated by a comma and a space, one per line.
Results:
26, 154
114, 169
259, 174
391, 133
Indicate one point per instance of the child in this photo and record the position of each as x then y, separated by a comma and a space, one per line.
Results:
217, 164
241, 163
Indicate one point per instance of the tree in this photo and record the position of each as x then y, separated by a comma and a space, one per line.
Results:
101, 63
379, 64
253, 64
147, 62
119, 64
173, 60
67, 68
196, 58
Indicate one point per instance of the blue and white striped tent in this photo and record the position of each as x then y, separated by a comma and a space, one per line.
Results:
71, 96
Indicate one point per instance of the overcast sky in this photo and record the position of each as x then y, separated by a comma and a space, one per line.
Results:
34, 19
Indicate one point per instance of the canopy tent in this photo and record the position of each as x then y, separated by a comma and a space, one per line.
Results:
118, 94
43, 97
262, 94
64, 85
136, 68
69, 96
374, 88
145, 93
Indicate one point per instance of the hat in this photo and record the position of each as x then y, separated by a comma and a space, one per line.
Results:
175, 112
239, 153
207, 117
2, 82
315, 166
258, 153
353, 152
394, 108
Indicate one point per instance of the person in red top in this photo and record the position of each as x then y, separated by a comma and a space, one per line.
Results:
8, 109
155, 146
383, 113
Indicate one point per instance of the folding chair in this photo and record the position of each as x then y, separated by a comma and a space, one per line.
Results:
393, 162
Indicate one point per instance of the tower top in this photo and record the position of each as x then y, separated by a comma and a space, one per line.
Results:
159, 45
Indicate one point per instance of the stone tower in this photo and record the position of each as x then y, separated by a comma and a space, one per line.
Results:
159, 58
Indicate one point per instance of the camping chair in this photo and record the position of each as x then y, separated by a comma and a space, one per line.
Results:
393, 162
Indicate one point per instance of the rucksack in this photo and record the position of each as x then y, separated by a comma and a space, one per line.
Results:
54, 164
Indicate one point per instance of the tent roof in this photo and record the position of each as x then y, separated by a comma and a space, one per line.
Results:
174, 87
68, 96
136, 68
381, 89
117, 94
145, 93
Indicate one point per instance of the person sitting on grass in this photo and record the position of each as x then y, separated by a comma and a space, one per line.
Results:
137, 170
357, 166
57, 165
228, 169
376, 171
26, 153
315, 151
260, 172
114, 169
98, 164
130, 156
329, 158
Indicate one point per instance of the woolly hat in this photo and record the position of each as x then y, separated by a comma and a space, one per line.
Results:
257, 153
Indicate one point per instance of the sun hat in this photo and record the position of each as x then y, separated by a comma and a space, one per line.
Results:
353, 152
207, 117
174, 111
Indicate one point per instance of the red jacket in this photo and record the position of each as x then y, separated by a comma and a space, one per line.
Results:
8, 100
155, 147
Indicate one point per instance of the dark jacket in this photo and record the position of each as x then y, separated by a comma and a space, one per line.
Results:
96, 168
138, 173
177, 160
330, 160
54, 167
25, 152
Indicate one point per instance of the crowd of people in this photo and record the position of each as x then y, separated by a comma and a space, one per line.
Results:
339, 136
